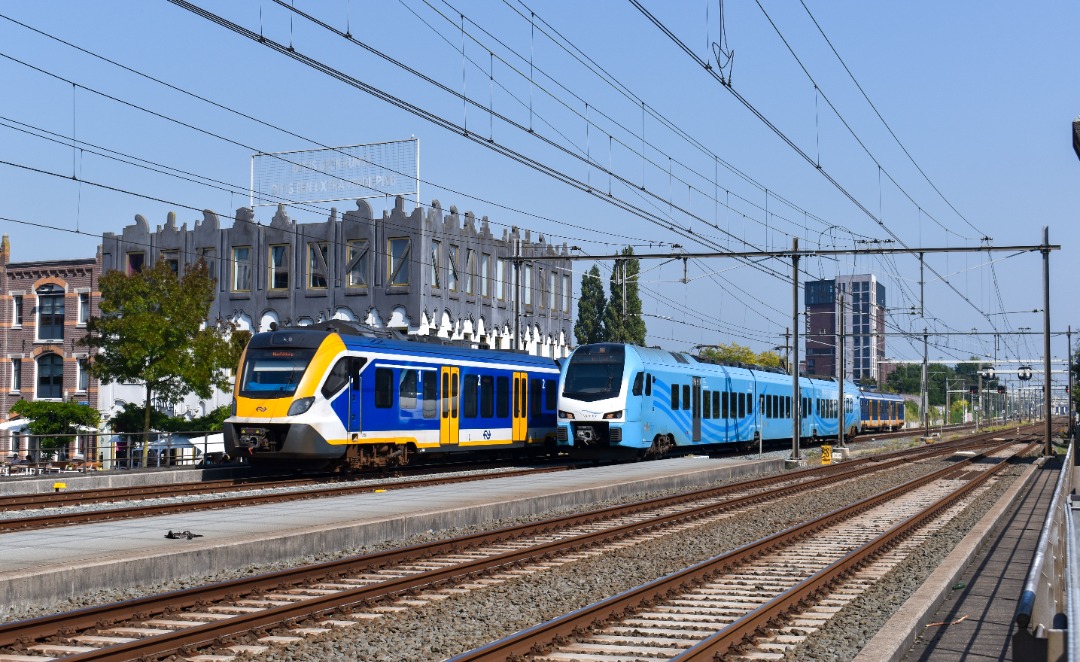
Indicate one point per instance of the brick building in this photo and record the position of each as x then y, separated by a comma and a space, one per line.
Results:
44, 307
862, 299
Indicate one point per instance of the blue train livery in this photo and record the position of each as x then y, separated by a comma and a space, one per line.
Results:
618, 398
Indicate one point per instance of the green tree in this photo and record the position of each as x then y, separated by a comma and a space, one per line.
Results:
622, 317
130, 419
590, 322
153, 329
55, 418
736, 353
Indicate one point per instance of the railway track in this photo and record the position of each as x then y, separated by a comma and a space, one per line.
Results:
312, 599
762, 599
217, 497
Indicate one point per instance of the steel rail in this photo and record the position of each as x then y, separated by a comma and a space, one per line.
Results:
150, 510
48, 626
143, 492
537, 638
746, 627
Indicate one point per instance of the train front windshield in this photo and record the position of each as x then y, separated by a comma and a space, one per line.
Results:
595, 373
273, 372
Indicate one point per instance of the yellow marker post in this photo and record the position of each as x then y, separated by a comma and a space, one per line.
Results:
826, 454
59, 486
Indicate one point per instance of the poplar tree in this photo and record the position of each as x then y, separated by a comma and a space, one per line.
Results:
624, 323
153, 329
589, 327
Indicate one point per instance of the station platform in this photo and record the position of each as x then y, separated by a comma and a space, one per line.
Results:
966, 609
45, 566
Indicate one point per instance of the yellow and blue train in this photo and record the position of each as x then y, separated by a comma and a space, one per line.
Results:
647, 402
335, 395
881, 412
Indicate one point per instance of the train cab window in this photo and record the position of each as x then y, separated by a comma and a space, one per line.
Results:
470, 406
686, 396
639, 383
337, 379
648, 383
502, 397
706, 402
487, 396
431, 394
551, 395
384, 388
674, 397
535, 397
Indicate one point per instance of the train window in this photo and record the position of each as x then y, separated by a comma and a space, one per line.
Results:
639, 383
674, 397
535, 395
502, 397
384, 388
551, 395
469, 404
337, 379
686, 396
487, 396
716, 404
749, 405
767, 409
431, 394
787, 406
706, 409
407, 389
648, 383
724, 404
741, 405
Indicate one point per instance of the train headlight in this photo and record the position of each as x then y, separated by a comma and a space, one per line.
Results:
300, 405
565, 414
613, 414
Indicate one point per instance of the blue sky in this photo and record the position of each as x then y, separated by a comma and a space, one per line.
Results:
980, 96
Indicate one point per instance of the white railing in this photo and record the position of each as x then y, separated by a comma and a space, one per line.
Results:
1047, 601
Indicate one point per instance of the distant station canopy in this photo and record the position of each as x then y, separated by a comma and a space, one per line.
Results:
337, 173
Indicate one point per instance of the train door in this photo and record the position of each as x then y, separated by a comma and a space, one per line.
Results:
520, 424
355, 364
449, 401
695, 409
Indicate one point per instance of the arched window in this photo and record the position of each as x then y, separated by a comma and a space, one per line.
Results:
50, 322
50, 369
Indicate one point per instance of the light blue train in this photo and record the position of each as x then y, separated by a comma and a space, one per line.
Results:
644, 402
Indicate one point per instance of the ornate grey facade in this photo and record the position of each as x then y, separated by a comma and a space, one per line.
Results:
427, 272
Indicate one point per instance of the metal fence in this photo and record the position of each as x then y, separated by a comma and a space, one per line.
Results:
92, 451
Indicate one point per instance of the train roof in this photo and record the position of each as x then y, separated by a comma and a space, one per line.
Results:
360, 336
881, 396
656, 355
